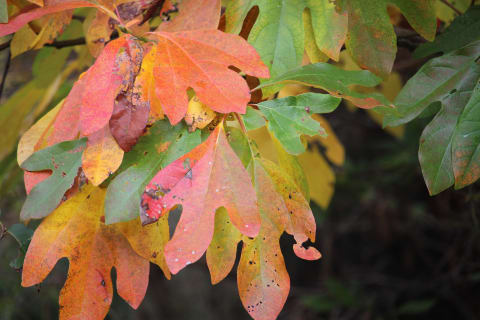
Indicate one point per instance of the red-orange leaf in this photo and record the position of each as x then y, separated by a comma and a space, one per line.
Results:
103, 82
194, 15
208, 177
200, 60
75, 230
15, 23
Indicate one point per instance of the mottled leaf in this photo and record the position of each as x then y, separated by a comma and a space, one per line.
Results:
208, 177
161, 145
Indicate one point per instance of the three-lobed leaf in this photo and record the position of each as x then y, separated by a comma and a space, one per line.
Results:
64, 160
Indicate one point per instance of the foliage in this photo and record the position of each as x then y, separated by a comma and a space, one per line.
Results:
112, 161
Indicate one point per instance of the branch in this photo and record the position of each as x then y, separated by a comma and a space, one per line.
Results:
66, 43
451, 6
5, 72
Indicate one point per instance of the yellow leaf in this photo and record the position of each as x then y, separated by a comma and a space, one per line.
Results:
198, 114
102, 156
36, 133
311, 48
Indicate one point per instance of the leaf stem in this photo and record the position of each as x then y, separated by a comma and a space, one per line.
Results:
240, 122
5, 72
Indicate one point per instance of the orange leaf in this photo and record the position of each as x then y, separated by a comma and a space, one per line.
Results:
200, 60
208, 177
102, 156
194, 15
262, 278
75, 230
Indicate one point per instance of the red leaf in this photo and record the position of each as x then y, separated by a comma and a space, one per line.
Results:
208, 177
128, 121
102, 85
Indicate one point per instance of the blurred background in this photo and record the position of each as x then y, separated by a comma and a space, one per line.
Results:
390, 251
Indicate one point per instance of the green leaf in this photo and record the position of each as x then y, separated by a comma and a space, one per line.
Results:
278, 33
432, 83
463, 30
63, 159
371, 39
253, 119
162, 145
239, 143
466, 143
289, 118
3, 11
435, 152
336, 81
415, 307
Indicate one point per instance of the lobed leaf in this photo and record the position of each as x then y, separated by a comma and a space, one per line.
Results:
64, 160
75, 231
208, 177
289, 118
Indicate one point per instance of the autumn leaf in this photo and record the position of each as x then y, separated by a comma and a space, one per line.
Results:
161, 145
148, 241
101, 157
64, 160
222, 251
18, 21
262, 278
103, 82
198, 115
75, 231
128, 121
199, 60
208, 177
194, 15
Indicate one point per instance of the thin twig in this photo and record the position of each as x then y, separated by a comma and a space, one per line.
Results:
5, 72
451, 6
66, 43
